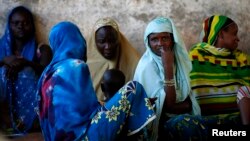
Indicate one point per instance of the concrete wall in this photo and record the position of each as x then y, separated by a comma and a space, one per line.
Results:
133, 15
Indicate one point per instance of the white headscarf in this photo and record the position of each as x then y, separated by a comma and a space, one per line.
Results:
150, 71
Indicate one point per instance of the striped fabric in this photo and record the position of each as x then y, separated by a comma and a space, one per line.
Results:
217, 73
212, 26
244, 91
216, 79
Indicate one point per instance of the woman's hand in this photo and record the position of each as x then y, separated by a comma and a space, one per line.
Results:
167, 56
15, 67
9, 59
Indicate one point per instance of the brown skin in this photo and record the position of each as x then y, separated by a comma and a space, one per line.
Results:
107, 41
244, 105
22, 31
21, 28
228, 38
162, 45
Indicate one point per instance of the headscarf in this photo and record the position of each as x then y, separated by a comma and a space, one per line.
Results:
211, 27
150, 71
126, 58
7, 40
70, 85
20, 93
217, 72
64, 46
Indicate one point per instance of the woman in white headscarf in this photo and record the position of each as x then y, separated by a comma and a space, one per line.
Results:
164, 70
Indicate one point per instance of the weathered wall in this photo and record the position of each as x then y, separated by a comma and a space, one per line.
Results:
133, 15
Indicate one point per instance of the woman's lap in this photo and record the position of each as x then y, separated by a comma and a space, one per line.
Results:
127, 112
185, 127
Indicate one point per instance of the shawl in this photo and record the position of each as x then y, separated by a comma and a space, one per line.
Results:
150, 71
66, 82
126, 58
20, 93
217, 73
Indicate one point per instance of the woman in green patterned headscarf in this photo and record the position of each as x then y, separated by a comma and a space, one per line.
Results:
219, 69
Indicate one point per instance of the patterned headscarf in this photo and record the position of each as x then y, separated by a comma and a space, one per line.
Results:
212, 26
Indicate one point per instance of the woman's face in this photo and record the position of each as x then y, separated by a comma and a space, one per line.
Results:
107, 41
230, 37
21, 26
157, 41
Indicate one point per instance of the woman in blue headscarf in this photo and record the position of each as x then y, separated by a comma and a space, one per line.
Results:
68, 106
21, 63
163, 71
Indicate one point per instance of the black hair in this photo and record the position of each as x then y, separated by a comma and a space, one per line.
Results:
115, 77
113, 80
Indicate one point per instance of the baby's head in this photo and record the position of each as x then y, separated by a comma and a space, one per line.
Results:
112, 81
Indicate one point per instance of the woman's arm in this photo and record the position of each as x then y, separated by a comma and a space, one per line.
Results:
170, 105
16, 64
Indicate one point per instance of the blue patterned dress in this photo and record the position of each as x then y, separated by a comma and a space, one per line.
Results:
68, 106
19, 94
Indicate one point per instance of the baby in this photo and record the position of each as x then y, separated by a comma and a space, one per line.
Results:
112, 81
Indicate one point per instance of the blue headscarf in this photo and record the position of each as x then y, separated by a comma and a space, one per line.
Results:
69, 83
20, 93
70, 45
7, 40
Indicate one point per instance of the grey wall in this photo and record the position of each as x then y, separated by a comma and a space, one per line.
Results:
133, 15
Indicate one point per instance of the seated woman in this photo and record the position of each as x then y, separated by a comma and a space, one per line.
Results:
107, 49
219, 70
163, 71
22, 62
112, 81
68, 106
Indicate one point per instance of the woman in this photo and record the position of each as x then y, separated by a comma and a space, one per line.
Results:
21, 65
219, 70
163, 71
68, 107
107, 49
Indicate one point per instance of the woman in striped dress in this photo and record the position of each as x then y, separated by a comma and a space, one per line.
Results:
219, 69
